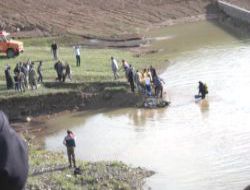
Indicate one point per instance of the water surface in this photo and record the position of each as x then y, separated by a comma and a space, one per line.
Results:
191, 145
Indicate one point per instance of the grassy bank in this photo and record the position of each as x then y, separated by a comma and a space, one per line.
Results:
49, 171
95, 63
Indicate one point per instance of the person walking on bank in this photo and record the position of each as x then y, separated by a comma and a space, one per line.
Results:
69, 142
114, 67
78, 55
39, 71
67, 72
54, 49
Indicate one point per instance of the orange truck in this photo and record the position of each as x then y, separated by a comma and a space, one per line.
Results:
8, 46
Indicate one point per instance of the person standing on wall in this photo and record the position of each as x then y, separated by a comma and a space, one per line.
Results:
54, 49
78, 55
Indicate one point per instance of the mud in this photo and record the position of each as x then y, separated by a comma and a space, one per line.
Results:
93, 96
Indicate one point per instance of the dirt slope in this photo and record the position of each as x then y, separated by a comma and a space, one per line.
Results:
97, 17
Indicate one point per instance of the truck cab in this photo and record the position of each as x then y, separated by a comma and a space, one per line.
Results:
8, 46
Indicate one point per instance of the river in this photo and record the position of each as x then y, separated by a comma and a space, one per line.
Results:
191, 145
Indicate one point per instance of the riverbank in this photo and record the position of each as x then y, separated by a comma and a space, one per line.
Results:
49, 170
81, 96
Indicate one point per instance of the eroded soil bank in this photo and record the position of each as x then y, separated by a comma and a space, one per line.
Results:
77, 97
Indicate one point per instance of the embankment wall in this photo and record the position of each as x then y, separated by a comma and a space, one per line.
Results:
18, 108
234, 11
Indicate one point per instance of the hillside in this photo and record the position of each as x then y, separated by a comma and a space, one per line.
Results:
96, 17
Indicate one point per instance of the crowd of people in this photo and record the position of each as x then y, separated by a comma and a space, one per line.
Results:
143, 81
24, 76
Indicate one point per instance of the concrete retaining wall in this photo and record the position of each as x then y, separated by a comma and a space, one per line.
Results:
234, 11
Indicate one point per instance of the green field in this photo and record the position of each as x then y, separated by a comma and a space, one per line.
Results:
95, 63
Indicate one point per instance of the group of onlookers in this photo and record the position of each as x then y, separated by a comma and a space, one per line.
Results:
143, 80
63, 71
25, 76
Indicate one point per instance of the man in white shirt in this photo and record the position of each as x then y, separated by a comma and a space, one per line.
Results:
77, 53
114, 67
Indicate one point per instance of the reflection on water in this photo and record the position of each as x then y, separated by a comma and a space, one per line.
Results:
191, 145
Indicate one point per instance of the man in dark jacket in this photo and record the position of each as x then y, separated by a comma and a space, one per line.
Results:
69, 142
202, 90
13, 157
54, 49
8, 78
40, 73
131, 78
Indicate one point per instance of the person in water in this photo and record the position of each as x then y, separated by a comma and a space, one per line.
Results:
69, 142
202, 90
13, 157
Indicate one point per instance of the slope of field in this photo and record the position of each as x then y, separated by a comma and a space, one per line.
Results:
96, 17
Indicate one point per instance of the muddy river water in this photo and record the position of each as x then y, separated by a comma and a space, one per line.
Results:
191, 145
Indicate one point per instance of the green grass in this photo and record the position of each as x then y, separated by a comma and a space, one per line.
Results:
5, 94
99, 175
95, 63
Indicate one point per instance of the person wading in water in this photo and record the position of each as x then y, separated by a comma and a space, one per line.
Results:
202, 90
69, 142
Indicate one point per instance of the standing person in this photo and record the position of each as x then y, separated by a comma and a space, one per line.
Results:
16, 80
131, 78
152, 70
139, 82
69, 142
125, 66
144, 73
8, 78
17, 68
67, 72
25, 71
114, 67
32, 77
54, 49
22, 81
59, 70
39, 71
13, 157
78, 55
148, 85
157, 81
